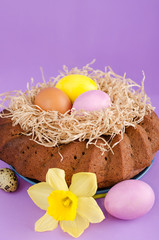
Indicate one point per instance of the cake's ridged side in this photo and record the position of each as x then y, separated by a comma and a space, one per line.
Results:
7, 131
131, 155
119, 163
151, 126
141, 148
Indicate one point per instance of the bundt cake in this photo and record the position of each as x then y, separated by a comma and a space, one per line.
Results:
116, 143
130, 156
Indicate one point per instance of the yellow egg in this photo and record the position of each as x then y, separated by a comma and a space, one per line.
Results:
75, 84
53, 99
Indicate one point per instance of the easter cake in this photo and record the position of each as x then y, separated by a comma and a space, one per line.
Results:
107, 127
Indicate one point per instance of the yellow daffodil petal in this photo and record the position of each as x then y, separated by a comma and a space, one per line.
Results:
55, 177
46, 223
76, 227
89, 209
39, 193
84, 184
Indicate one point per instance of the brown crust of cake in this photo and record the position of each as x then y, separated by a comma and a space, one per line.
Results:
131, 155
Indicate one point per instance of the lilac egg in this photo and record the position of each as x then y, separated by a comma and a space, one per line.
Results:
129, 199
93, 100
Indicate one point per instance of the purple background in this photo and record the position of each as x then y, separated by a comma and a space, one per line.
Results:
122, 34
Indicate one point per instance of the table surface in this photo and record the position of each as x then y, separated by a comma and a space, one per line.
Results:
123, 34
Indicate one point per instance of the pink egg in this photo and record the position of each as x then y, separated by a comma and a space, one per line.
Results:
129, 199
93, 100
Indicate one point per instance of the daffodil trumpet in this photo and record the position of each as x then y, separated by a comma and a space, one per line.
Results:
72, 207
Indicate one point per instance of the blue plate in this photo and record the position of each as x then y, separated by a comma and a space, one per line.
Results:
100, 192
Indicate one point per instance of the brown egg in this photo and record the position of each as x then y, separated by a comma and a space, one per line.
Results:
53, 99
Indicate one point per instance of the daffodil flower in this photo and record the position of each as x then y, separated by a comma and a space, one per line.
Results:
73, 208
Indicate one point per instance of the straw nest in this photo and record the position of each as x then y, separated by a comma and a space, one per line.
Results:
50, 128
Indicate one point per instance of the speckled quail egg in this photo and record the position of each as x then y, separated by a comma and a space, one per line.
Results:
8, 180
